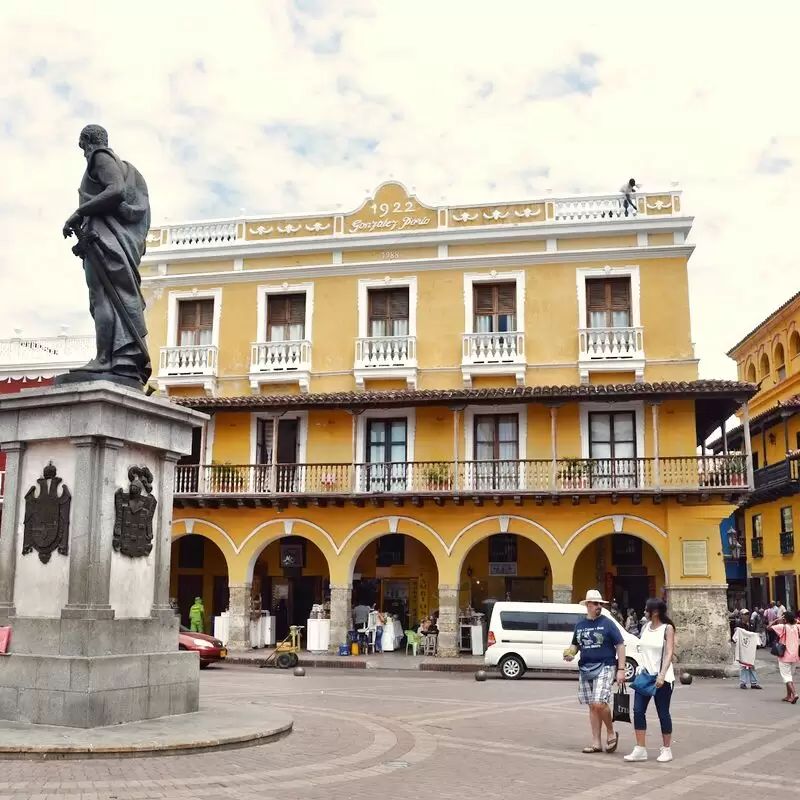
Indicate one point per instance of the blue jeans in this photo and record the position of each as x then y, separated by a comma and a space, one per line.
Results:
662, 697
748, 675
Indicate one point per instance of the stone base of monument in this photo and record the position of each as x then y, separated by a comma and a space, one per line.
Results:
85, 549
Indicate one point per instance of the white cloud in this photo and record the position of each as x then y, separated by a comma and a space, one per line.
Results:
286, 106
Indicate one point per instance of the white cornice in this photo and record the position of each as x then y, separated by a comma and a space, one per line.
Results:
449, 236
309, 272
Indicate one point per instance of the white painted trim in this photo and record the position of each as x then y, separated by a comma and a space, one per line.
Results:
410, 415
211, 429
526, 260
641, 239
468, 453
506, 518
265, 290
582, 274
471, 278
365, 284
637, 406
302, 438
174, 299
377, 241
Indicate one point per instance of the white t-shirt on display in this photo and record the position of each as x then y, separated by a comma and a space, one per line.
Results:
746, 644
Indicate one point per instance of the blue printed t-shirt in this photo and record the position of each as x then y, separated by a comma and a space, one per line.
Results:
597, 640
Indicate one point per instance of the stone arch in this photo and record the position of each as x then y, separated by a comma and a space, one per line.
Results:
267, 532
358, 539
764, 366
794, 344
211, 531
750, 373
480, 529
779, 356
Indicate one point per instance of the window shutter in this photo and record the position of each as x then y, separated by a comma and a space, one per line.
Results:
379, 305
205, 314
620, 294
297, 309
277, 311
398, 304
484, 300
506, 298
596, 295
187, 317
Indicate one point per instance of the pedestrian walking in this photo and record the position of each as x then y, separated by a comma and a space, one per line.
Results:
770, 617
657, 646
602, 656
197, 616
745, 644
631, 623
788, 641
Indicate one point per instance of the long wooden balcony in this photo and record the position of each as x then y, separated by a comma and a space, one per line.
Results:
268, 485
781, 479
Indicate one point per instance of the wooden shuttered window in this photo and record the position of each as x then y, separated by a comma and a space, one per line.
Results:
388, 312
286, 317
195, 322
608, 302
494, 307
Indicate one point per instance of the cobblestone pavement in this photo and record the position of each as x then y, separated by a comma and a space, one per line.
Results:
364, 734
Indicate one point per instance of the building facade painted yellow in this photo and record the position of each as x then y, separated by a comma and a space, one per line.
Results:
433, 408
770, 357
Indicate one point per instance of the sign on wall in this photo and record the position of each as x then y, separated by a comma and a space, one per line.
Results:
504, 568
695, 558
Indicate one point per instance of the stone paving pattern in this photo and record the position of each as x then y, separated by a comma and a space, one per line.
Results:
365, 734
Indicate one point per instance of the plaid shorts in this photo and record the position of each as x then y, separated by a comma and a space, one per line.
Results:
599, 690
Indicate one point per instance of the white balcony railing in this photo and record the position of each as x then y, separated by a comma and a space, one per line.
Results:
385, 352
289, 356
579, 209
203, 234
47, 350
610, 344
188, 360
493, 348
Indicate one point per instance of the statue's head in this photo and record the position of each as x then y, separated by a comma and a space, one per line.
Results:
92, 137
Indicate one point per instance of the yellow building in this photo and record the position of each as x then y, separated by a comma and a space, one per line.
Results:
437, 407
770, 357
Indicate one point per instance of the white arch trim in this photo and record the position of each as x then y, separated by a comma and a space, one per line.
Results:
392, 525
503, 521
189, 523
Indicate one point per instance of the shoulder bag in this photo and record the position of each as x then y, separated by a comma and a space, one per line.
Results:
779, 648
644, 682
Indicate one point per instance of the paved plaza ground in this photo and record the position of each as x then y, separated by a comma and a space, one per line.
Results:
381, 734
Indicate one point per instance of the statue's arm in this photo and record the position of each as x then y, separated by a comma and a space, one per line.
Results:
107, 172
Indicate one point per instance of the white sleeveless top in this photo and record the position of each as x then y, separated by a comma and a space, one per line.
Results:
652, 644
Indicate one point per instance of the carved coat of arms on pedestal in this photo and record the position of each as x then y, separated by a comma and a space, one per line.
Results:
133, 525
46, 526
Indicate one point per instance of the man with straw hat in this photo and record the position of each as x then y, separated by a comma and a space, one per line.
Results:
602, 657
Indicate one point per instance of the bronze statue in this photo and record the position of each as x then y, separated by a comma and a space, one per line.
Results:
133, 526
111, 225
46, 525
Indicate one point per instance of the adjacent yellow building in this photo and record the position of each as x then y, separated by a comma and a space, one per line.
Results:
433, 408
770, 357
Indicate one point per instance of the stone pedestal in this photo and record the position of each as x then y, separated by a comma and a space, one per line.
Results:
562, 593
239, 598
84, 571
341, 599
700, 614
448, 621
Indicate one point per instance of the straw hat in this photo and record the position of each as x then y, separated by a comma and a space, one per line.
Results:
593, 596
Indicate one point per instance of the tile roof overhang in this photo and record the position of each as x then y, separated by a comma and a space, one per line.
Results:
764, 420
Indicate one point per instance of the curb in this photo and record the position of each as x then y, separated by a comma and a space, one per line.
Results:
344, 663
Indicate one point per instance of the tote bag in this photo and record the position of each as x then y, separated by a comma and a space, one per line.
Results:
621, 706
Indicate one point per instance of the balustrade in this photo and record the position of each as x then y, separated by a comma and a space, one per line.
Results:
596, 344
280, 356
379, 352
26, 350
204, 234
188, 360
493, 348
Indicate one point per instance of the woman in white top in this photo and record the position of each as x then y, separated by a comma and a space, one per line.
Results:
657, 644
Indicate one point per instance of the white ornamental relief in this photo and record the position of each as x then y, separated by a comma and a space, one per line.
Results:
317, 227
289, 228
154, 237
660, 205
495, 215
261, 230
465, 217
527, 213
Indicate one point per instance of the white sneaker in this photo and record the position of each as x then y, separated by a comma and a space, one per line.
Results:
665, 755
637, 754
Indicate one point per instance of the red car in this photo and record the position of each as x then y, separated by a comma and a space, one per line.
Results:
211, 650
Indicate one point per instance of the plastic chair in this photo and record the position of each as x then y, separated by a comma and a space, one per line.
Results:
430, 643
413, 641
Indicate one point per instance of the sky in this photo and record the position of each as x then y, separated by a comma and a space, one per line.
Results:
286, 106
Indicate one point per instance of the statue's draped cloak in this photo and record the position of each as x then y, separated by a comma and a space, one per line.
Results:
122, 240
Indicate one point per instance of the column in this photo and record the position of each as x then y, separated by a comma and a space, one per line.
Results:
163, 537
341, 598
273, 474
700, 614
748, 447
84, 511
656, 454
785, 418
562, 593
448, 620
553, 446
8, 531
456, 454
103, 519
239, 616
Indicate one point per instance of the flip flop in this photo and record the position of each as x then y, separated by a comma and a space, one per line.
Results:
793, 700
611, 748
588, 750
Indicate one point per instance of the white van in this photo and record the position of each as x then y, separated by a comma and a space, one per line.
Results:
525, 636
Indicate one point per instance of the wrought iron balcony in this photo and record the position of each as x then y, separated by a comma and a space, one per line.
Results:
757, 547
777, 480
571, 477
787, 543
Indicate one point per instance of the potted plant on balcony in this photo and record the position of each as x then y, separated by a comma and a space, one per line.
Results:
575, 474
438, 478
228, 478
736, 467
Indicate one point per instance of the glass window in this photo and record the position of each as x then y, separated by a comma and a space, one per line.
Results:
523, 620
563, 622
756, 526
787, 523
608, 303
388, 312
496, 451
612, 445
286, 317
494, 307
386, 454
195, 322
